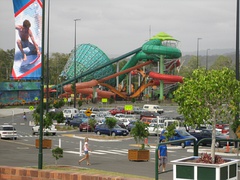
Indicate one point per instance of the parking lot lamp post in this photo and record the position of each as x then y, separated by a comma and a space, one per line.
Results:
75, 61
198, 39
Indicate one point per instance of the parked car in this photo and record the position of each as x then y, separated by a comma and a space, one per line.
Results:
116, 131
121, 124
70, 112
207, 133
131, 125
76, 121
138, 110
51, 130
117, 110
178, 135
147, 120
153, 108
155, 129
149, 114
84, 126
8, 132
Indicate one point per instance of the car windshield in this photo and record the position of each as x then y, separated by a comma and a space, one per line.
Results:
183, 133
218, 133
117, 126
8, 128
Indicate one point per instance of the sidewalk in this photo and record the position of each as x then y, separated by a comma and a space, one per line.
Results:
13, 111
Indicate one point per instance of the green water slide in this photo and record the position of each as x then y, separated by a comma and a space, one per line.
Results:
151, 50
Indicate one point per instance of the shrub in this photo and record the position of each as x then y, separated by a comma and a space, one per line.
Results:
207, 159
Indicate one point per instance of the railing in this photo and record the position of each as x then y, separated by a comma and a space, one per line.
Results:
169, 142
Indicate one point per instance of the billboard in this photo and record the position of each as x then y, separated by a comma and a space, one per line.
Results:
28, 39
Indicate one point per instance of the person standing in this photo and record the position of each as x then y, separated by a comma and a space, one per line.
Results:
86, 150
162, 156
24, 116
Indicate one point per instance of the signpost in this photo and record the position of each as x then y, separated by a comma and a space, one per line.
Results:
88, 113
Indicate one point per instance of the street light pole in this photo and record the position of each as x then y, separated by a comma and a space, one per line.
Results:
198, 49
207, 59
75, 60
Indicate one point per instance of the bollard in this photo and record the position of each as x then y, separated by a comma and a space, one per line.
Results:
59, 143
227, 148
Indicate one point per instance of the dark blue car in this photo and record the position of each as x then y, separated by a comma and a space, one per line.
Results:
77, 120
116, 131
179, 135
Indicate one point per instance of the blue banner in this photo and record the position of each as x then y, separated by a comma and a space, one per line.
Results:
28, 26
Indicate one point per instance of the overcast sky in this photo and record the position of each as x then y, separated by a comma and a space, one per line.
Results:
120, 26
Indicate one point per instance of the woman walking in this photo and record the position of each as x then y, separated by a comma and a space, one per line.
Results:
86, 150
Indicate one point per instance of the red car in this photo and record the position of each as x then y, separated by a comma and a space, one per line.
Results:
85, 127
117, 110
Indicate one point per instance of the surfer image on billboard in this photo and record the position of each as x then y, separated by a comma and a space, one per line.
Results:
28, 39
25, 33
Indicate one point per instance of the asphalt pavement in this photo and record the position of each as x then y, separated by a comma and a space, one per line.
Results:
168, 174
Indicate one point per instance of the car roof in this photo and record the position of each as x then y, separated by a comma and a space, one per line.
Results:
6, 125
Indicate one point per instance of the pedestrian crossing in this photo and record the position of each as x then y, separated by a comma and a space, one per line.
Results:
120, 152
34, 136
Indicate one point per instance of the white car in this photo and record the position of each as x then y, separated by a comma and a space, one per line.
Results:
70, 113
153, 130
52, 130
8, 132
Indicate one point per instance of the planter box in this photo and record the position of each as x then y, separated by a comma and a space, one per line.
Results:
138, 155
46, 143
185, 169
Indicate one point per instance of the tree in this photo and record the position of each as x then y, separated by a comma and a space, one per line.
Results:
111, 122
139, 132
222, 61
57, 153
209, 96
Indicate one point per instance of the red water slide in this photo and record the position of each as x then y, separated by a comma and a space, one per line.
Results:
166, 77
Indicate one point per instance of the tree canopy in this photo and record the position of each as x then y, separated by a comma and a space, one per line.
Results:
208, 96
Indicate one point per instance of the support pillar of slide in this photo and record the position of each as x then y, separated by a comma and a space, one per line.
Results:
161, 86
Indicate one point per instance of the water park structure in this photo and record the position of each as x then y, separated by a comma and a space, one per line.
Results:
97, 77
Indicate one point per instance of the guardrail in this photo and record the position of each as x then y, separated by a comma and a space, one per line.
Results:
195, 151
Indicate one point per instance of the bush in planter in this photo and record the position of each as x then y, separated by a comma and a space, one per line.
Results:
139, 133
206, 158
208, 96
57, 153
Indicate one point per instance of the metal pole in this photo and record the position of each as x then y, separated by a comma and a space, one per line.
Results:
237, 58
47, 78
75, 61
207, 60
237, 42
198, 49
40, 155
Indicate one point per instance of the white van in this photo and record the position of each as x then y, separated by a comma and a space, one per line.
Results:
70, 112
168, 122
153, 107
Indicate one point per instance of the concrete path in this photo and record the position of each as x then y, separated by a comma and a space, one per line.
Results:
13, 111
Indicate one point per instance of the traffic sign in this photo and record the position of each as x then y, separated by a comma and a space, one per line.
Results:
88, 112
31, 108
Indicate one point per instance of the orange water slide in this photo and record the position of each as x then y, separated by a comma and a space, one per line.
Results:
115, 91
86, 87
166, 77
142, 87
